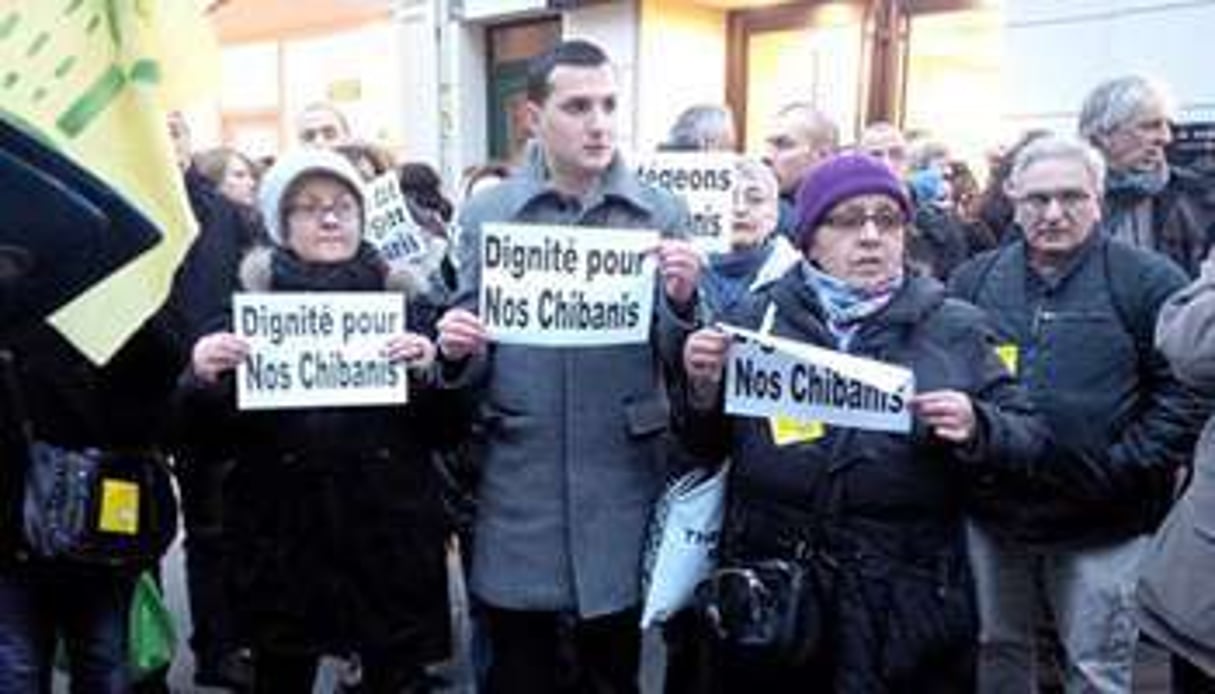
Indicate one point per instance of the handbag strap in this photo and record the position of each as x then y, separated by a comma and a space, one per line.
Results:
16, 439
16, 430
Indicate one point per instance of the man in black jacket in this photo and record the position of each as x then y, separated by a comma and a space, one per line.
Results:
1148, 203
1075, 312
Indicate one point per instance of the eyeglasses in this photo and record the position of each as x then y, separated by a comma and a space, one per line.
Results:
1070, 200
324, 133
885, 219
344, 210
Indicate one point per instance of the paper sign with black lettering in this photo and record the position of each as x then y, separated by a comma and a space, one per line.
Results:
706, 182
318, 349
769, 376
567, 286
390, 227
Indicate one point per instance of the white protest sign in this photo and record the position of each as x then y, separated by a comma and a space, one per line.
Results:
769, 376
390, 227
567, 286
318, 349
706, 182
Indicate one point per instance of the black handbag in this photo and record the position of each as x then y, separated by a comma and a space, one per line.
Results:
771, 609
112, 508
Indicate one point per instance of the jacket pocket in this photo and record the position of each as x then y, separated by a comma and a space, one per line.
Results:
646, 416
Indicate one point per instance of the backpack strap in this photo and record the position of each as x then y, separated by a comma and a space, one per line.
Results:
969, 290
1117, 267
16, 430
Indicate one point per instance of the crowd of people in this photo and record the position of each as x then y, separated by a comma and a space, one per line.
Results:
1056, 321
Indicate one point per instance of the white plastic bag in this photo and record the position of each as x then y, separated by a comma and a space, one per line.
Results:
681, 547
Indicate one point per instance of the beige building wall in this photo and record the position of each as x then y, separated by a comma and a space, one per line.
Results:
683, 46
279, 55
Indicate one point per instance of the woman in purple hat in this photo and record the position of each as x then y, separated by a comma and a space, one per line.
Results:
842, 561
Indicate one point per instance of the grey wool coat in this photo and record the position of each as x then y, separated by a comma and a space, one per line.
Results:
575, 437
1176, 591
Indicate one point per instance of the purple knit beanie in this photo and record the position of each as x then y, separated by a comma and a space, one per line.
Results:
839, 178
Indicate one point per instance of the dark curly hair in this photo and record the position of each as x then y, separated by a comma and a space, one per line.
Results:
421, 184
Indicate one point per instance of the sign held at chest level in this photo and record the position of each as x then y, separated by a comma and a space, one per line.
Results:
769, 376
318, 349
561, 286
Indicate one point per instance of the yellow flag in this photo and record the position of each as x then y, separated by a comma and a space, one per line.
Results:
93, 78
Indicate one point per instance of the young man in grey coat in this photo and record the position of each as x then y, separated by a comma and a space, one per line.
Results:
574, 436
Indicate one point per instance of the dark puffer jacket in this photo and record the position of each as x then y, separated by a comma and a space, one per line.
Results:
1122, 422
333, 520
886, 509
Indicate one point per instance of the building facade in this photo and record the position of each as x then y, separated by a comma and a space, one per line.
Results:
442, 80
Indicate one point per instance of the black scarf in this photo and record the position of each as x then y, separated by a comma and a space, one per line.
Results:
364, 272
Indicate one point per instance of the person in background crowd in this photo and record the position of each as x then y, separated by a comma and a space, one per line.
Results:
322, 124
370, 160
885, 142
799, 137
926, 152
231, 173
423, 189
483, 177
1147, 202
965, 188
1074, 312
560, 526
966, 199
995, 208
203, 288
702, 128
756, 257
876, 519
332, 516
937, 240
434, 262
1176, 606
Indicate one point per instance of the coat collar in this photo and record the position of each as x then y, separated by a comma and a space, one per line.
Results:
617, 184
1069, 267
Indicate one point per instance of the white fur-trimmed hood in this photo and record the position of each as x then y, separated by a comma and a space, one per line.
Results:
420, 277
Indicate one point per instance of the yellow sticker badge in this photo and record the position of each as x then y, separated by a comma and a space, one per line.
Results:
787, 430
119, 507
1009, 354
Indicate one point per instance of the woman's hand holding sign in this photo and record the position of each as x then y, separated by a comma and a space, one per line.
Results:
949, 413
461, 334
216, 353
679, 264
417, 351
704, 359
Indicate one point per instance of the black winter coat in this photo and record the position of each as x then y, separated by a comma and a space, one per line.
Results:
333, 520
1122, 423
885, 509
207, 276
